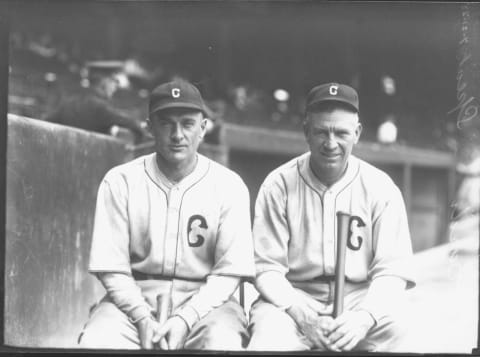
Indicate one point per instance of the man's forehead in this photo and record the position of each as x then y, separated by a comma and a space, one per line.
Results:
177, 114
337, 117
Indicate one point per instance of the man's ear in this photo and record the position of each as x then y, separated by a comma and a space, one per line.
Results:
203, 126
305, 127
358, 132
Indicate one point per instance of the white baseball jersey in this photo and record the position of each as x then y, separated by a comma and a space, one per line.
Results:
295, 226
183, 232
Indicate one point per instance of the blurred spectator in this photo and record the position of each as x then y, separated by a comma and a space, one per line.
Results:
246, 98
387, 131
214, 134
91, 109
43, 46
281, 107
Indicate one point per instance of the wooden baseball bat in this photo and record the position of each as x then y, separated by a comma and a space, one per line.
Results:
163, 305
343, 220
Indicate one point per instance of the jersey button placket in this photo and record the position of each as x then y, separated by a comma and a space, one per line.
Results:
329, 232
172, 230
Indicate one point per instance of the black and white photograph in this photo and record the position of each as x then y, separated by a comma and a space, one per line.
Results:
242, 177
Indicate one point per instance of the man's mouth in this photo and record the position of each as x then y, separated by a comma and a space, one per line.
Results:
331, 156
177, 147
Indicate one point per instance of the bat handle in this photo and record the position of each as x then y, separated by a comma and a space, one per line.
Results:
162, 308
163, 305
343, 220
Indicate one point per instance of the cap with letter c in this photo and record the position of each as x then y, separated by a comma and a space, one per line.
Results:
176, 94
333, 92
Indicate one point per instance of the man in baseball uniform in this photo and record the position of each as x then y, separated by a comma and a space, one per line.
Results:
295, 241
172, 224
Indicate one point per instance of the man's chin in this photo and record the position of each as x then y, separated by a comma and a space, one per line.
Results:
177, 157
331, 168
330, 165
173, 157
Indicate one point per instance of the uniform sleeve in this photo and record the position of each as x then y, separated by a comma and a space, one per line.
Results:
270, 229
214, 293
276, 289
126, 295
234, 246
110, 241
391, 241
385, 296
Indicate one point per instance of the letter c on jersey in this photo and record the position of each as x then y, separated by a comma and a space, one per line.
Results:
195, 239
175, 92
359, 223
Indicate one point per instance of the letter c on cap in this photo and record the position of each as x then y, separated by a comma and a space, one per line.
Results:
175, 92
333, 90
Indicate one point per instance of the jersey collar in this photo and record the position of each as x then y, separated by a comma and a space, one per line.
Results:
309, 177
157, 176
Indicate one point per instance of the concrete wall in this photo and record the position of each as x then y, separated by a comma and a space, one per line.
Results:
53, 174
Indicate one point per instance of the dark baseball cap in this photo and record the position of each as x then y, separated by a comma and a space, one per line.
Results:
333, 92
176, 94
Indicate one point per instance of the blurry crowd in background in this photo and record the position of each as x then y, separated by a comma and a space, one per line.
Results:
253, 65
45, 71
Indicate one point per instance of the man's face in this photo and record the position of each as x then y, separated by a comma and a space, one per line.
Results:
111, 85
178, 133
331, 137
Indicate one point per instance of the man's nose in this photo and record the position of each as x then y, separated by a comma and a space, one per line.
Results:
176, 133
331, 142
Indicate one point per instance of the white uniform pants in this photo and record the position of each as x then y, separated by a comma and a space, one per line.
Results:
224, 329
272, 329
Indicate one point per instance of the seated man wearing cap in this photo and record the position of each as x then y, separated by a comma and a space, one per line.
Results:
172, 230
295, 241
91, 109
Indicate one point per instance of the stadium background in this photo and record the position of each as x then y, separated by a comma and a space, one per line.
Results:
239, 54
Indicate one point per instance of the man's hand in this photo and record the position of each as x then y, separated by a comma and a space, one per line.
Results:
146, 330
348, 329
311, 323
174, 331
